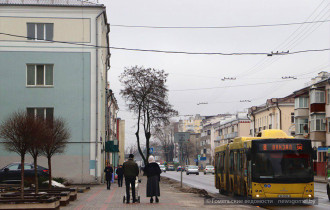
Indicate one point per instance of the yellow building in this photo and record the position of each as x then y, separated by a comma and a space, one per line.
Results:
277, 113
193, 124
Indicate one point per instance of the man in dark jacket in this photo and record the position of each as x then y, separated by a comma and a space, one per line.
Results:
131, 171
120, 173
108, 175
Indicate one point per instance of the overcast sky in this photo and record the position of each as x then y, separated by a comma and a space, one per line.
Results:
204, 71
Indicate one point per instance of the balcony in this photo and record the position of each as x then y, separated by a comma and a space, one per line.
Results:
230, 135
301, 112
218, 139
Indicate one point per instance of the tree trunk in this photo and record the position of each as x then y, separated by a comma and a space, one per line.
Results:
36, 175
138, 137
50, 172
22, 175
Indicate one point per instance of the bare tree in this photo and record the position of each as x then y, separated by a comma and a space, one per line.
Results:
146, 95
36, 145
131, 149
57, 138
162, 135
18, 131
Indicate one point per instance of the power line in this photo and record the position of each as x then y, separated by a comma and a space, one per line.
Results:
230, 86
169, 51
217, 27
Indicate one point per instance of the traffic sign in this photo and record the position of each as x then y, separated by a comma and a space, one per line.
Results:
203, 158
195, 160
151, 150
180, 137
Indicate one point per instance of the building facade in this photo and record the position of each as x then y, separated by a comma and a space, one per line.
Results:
232, 127
121, 140
277, 113
51, 67
193, 124
312, 117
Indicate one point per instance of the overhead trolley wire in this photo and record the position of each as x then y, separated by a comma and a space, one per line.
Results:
217, 27
172, 52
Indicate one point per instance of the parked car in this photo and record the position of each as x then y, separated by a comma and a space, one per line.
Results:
186, 167
328, 188
170, 168
12, 172
209, 169
162, 168
179, 168
192, 170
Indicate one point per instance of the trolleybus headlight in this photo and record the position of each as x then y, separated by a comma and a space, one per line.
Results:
257, 196
310, 196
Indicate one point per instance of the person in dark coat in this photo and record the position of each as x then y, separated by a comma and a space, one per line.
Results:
131, 171
108, 175
120, 173
153, 173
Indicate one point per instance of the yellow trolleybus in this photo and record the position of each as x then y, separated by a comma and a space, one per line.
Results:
272, 165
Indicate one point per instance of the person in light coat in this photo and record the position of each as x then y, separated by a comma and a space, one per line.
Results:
153, 172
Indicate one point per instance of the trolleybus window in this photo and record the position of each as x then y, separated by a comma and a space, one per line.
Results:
282, 163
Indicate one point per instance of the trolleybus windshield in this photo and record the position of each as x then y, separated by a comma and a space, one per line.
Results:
285, 163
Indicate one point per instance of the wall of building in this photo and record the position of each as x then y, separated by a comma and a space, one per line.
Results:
70, 98
65, 29
121, 142
72, 24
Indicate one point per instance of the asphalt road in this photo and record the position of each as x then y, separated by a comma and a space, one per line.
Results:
206, 182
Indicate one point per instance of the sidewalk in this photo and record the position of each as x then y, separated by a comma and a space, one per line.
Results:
170, 198
320, 179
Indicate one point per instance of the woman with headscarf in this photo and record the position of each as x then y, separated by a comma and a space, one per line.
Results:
153, 172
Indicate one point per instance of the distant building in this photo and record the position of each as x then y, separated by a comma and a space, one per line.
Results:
193, 124
277, 113
208, 137
121, 140
232, 127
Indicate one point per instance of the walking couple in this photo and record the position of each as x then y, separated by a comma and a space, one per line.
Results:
152, 170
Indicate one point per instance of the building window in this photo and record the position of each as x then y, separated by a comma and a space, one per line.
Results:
328, 96
301, 102
39, 75
318, 122
317, 96
40, 31
44, 113
328, 125
270, 126
292, 117
301, 125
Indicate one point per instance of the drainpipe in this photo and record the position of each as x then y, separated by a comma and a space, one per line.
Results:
254, 123
97, 97
280, 112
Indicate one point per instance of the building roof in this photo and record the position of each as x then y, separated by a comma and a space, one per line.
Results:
62, 3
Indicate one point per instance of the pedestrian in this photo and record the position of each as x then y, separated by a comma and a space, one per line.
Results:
120, 173
131, 171
153, 172
108, 175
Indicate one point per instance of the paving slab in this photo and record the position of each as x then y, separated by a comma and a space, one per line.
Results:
170, 198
